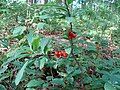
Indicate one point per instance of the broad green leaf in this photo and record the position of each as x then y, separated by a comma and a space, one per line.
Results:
42, 62
70, 79
40, 25
3, 69
33, 41
44, 17
116, 51
115, 79
36, 43
69, 69
17, 54
58, 81
76, 72
68, 50
87, 79
13, 58
3, 77
69, 1
30, 38
45, 85
4, 42
43, 44
2, 87
35, 83
109, 86
70, 19
118, 87
30, 89
20, 73
18, 51
91, 48
19, 30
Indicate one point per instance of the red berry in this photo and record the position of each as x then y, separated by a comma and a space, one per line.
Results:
71, 35
57, 54
64, 54
61, 53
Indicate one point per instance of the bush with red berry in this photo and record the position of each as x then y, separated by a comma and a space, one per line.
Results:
59, 46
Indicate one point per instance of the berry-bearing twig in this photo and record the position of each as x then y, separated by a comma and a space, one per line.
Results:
71, 36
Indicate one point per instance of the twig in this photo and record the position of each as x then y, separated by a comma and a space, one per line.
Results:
71, 41
72, 44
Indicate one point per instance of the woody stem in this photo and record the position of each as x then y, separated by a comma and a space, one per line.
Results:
71, 42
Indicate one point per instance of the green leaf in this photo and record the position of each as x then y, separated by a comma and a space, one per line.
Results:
109, 86
34, 83
44, 42
3, 77
70, 79
68, 50
118, 87
20, 74
40, 25
33, 41
91, 47
36, 43
30, 38
115, 79
2, 87
58, 81
70, 19
19, 30
3, 69
76, 72
18, 53
69, 1
44, 17
30, 89
4, 42
69, 69
117, 51
45, 85
42, 62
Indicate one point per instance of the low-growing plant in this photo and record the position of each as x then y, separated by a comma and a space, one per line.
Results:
57, 47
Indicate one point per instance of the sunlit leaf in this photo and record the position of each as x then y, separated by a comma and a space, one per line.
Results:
40, 25
2, 87
36, 43
58, 81
44, 42
42, 62
69, 1
20, 74
68, 50
34, 83
19, 30
109, 86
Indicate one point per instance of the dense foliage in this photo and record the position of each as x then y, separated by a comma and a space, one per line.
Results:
60, 46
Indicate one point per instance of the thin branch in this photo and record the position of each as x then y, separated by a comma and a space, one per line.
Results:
72, 44
69, 14
71, 41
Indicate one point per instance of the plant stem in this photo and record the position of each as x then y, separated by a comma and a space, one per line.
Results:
71, 41
72, 44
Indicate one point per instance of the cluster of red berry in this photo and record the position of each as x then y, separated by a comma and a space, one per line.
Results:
62, 53
71, 35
